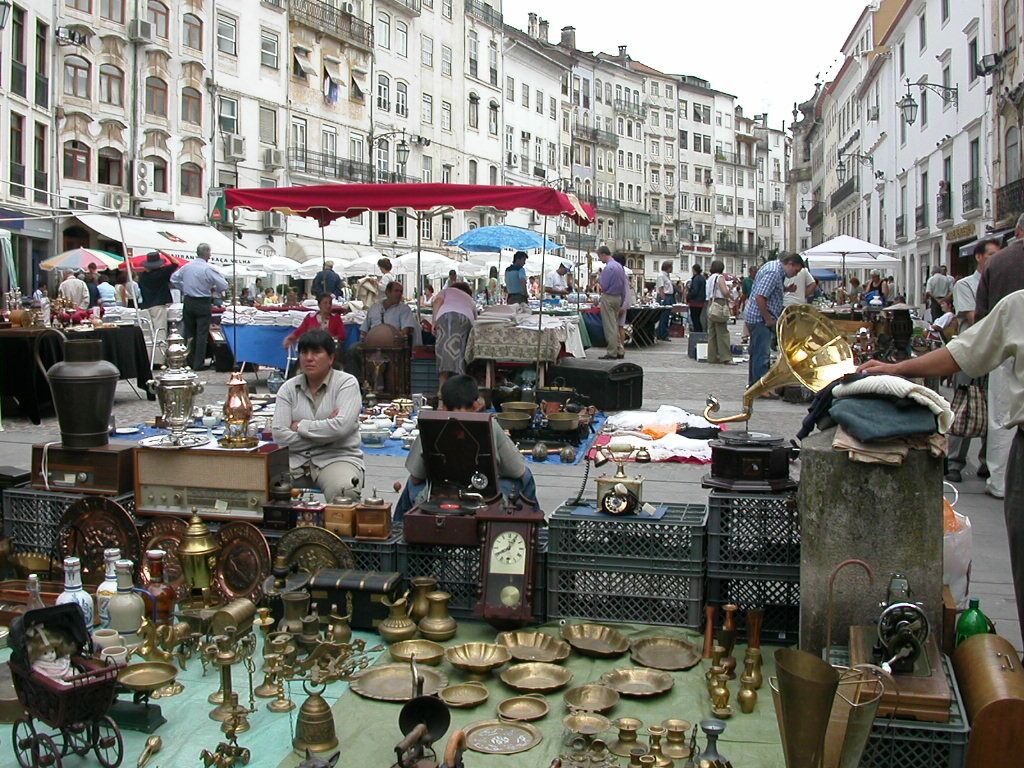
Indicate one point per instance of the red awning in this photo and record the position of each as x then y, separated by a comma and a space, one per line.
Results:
328, 202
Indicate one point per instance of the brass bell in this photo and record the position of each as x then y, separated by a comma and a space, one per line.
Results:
315, 727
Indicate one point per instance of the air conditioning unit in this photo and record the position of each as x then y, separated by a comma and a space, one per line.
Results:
234, 147
273, 158
116, 200
348, 8
143, 179
512, 159
140, 31
873, 114
273, 221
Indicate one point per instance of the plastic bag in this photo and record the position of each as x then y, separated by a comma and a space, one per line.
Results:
957, 552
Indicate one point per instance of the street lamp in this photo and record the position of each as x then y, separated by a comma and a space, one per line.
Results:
402, 152
803, 211
908, 107
5, 12
841, 171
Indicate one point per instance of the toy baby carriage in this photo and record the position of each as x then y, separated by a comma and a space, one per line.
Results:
74, 706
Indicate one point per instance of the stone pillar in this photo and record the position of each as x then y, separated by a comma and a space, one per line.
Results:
889, 517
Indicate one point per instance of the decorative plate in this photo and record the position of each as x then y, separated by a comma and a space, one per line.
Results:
595, 640
534, 646
663, 652
638, 682
165, 533
310, 549
393, 682
93, 524
500, 737
464, 695
243, 562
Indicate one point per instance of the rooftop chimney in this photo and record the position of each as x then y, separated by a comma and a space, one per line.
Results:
531, 28
622, 52
569, 38
543, 27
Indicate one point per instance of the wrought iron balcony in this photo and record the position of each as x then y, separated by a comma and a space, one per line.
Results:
972, 195
778, 206
921, 217
484, 13
42, 91
17, 180
727, 157
325, 166
599, 136
630, 108
41, 182
18, 79
740, 249
1010, 200
606, 204
412, 6
901, 227
815, 215
844, 191
332, 21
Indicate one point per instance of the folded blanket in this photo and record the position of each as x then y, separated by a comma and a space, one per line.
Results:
871, 419
897, 387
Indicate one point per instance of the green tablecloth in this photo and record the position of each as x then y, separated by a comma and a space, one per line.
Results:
368, 730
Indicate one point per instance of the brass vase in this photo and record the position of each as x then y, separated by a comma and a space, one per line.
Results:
753, 656
418, 604
397, 626
747, 697
339, 630
438, 625
296, 605
727, 639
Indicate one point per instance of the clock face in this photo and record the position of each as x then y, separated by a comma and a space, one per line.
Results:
508, 553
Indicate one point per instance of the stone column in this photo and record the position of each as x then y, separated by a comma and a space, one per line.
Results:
889, 517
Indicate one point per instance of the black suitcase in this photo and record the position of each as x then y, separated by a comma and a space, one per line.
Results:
612, 385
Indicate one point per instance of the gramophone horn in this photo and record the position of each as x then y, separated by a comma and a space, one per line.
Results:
807, 686
812, 352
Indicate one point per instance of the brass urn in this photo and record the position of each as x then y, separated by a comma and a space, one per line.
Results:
175, 388
198, 556
237, 415
438, 625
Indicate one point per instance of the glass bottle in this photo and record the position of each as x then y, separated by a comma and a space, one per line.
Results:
73, 592
32, 587
126, 607
108, 587
161, 596
971, 622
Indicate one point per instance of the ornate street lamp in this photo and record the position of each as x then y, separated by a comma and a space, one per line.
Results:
841, 171
908, 107
5, 12
402, 152
803, 211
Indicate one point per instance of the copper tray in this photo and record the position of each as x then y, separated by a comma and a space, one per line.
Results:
93, 524
501, 737
536, 677
595, 640
165, 533
310, 549
393, 682
638, 682
243, 563
534, 646
663, 652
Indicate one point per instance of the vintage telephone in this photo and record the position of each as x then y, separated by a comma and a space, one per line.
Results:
619, 494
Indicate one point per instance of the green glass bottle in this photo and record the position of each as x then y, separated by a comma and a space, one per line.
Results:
971, 622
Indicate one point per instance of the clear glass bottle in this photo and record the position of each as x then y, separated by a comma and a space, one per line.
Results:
73, 592
34, 599
108, 587
126, 607
161, 595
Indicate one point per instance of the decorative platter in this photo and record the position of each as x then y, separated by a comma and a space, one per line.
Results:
147, 676
500, 737
165, 533
595, 640
663, 652
534, 646
592, 697
536, 677
310, 549
93, 524
393, 682
532, 706
243, 563
464, 695
638, 682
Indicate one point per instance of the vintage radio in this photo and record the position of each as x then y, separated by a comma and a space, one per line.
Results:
221, 484
461, 465
359, 593
106, 470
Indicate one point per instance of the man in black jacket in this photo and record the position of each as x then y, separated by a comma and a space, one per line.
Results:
327, 281
154, 280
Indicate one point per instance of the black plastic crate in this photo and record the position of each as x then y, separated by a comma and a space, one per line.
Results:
31, 516
381, 556
911, 744
675, 542
424, 378
594, 589
756, 533
779, 597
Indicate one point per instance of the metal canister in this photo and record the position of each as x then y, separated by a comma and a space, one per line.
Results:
239, 613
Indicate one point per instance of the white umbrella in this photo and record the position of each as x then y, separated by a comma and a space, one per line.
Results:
845, 250
429, 261
238, 270
364, 265
278, 263
308, 269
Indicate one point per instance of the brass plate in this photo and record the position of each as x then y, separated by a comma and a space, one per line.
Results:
243, 563
393, 682
524, 708
638, 682
534, 646
595, 640
586, 723
427, 651
667, 653
592, 697
536, 677
477, 658
464, 695
165, 533
93, 524
311, 548
497, 737
147, 676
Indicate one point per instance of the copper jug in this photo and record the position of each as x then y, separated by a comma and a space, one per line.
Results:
237, 414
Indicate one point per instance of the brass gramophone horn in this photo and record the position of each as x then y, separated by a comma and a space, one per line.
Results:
812, 352
806, 688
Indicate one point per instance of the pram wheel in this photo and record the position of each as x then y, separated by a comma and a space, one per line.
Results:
107, 742
75, 739
34, 750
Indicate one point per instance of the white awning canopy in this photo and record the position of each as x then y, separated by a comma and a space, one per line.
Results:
309, 249
144, 235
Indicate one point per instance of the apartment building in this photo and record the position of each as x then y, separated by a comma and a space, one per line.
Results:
697, 201
1000, 65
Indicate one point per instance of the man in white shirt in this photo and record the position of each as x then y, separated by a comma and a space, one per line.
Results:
74, 290
666, 293
799, 288
939, 286
555, 282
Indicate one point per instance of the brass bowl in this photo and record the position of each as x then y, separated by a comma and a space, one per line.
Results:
663, 652
530, 707
147, 676
638, 682
519, 406
592, 697
513, 420
464, 695
595, 640
426, 651
536, 677
477, 659
534, 646
25, 563
586, 723
563, 422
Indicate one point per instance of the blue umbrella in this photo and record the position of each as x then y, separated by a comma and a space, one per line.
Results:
824, 275
497, 238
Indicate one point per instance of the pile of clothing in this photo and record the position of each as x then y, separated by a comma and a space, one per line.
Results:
879, 419
668, 434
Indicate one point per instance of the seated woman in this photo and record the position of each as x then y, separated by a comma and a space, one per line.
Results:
460, 394
323, 318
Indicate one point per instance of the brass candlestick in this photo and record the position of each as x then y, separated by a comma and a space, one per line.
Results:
226, 651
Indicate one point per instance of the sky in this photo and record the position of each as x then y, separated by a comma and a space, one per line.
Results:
757, 51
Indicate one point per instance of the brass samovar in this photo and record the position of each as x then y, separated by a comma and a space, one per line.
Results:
175, 387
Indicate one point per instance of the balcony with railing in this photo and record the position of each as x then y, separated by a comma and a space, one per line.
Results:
412, 6
42, 91
815, 215
625, 107
606, 203
944, 210
326, 166
17, 180
723, 156
778, 206
972, 197
19, 79
484, 13
921, 218
844, 191
41, 182
1010, 200
599, 136
332, 21
901, 227
739, 249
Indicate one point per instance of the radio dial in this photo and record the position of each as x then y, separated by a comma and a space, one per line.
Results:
163, 497
253, 501
177, 498
150, 497
81, 477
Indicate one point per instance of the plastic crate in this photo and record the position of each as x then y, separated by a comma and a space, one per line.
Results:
424, 371
380, 556
675, 542
595, 589
779, 597
911, 744
755, 533
31, 517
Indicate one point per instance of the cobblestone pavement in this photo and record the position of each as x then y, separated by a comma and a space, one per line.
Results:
670, 378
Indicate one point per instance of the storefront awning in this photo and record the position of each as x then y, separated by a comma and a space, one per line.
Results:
999, 237
304, 249
144, 235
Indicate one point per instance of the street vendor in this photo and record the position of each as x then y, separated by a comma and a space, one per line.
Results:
555, 282
317, 418
393, 311
460, 394
324, 318
516, 286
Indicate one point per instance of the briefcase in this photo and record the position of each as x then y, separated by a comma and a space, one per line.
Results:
361, 593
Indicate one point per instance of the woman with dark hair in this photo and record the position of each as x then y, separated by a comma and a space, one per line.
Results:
492, 286
454, 311
324, 319
718, 291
